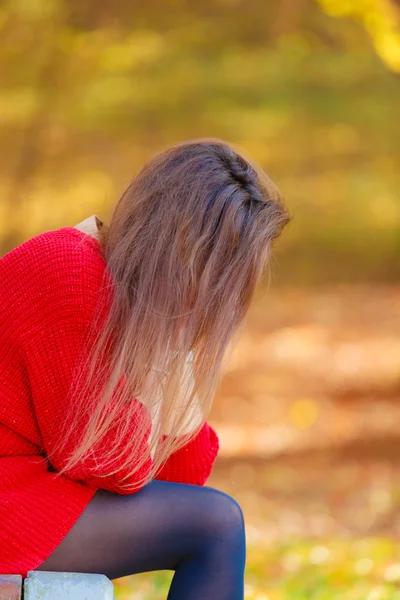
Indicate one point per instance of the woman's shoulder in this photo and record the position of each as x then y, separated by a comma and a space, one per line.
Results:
56, 250
64, 243
53, 271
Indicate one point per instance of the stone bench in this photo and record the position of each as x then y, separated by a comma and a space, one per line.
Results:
50, 585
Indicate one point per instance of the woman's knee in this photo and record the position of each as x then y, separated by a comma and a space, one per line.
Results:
224, 514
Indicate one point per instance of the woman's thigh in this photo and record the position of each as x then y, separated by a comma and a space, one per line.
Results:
153, 529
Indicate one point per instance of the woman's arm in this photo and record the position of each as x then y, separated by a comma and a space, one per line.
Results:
50, 286
51, 361
193, 462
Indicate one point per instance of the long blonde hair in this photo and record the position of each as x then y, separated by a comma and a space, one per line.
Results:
185, 249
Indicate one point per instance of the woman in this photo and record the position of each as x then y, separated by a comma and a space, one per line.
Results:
111, 346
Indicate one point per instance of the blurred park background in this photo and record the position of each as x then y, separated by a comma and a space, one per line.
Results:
309, 411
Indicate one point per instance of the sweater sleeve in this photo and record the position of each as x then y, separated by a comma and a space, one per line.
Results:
54, 282
51, 360
193, 462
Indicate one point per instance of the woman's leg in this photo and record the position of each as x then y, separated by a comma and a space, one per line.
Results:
196, 531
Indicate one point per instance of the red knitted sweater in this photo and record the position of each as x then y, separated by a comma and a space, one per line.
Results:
48, 289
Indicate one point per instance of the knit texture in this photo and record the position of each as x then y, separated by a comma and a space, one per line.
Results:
49, 287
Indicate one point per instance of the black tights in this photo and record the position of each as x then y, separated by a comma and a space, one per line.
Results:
198, 532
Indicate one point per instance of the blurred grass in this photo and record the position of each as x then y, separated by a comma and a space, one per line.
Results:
357, 569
